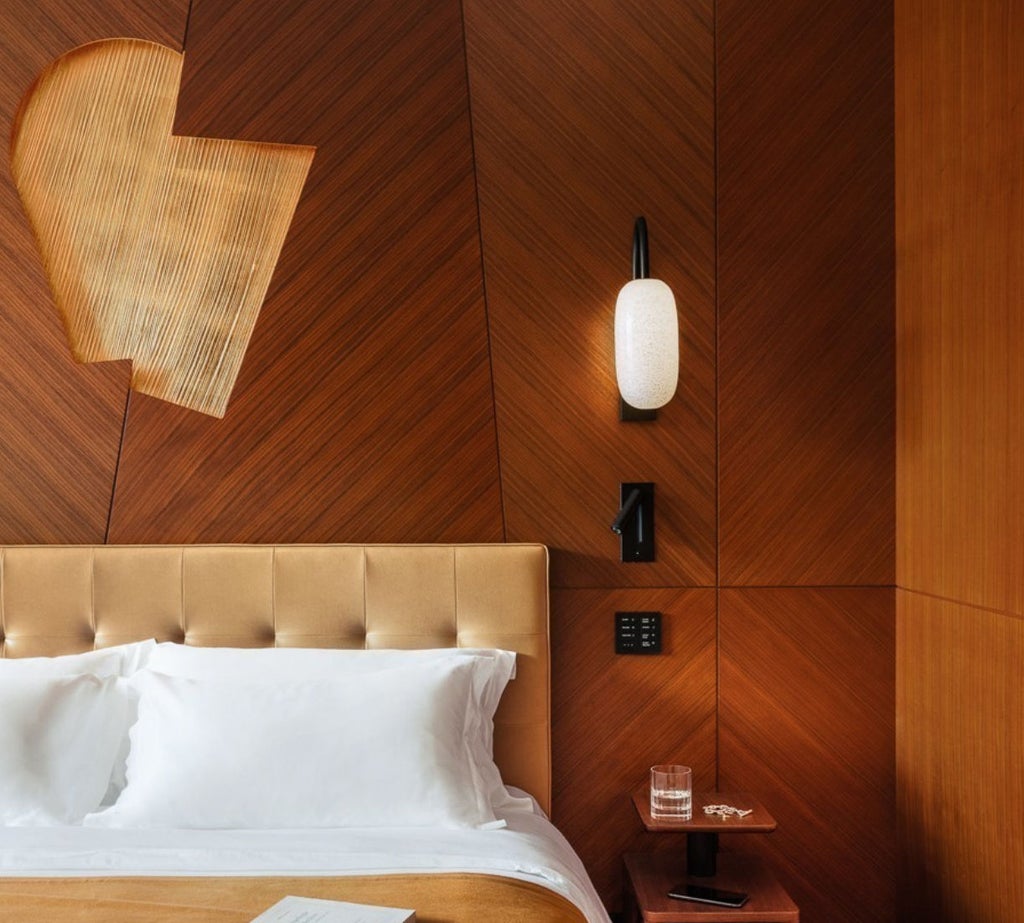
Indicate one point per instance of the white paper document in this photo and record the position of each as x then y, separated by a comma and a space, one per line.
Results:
314, 910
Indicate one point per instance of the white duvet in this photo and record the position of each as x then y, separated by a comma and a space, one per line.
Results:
529, 848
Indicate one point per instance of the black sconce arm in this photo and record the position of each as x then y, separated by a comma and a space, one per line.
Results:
635, 521
641, 252
627, 508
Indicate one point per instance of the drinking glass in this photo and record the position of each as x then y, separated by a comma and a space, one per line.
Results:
671, 791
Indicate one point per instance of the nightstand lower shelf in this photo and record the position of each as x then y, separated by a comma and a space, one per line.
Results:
651, 875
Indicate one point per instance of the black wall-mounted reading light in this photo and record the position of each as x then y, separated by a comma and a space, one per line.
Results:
635, 521
646, 338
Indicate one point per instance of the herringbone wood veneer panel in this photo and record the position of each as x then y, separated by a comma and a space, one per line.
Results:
60, 422
806, 718
613, 717
585, 116
805, 291
363, 410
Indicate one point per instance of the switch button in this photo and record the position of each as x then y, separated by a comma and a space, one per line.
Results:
637, 632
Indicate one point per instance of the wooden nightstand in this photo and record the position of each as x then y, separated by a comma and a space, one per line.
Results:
650, 876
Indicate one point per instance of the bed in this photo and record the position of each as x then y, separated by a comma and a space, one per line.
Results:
163, 847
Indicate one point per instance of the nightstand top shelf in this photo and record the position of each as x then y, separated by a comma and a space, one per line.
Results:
758, 821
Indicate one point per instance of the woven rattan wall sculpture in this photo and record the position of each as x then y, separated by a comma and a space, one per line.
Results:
158, 249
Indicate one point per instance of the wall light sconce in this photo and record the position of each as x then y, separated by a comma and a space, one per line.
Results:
646, 338
634, 523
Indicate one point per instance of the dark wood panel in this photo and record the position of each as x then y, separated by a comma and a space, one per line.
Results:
614, 716
959, 750
60, 421
806, 717
585, 116
363, 410
960, 89
805, 290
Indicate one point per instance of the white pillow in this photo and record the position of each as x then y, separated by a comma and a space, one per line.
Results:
288, 664
120, 660
379, 749
59, 738
273, 664
134, 656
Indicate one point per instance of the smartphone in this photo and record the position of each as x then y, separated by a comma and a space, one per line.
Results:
705, 895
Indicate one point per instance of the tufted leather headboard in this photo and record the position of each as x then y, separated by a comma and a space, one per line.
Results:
59, 599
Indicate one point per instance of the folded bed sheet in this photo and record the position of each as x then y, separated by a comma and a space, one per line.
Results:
528, 849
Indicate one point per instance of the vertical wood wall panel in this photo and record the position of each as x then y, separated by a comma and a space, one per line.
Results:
960, 749
805, 282
60, 422
806, 714
363, 410
806, 441
961, 233
584, 117
960, 445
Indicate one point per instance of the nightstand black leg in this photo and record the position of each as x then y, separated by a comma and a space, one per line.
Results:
701, 854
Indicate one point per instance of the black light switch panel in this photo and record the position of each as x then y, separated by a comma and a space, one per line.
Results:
637, 632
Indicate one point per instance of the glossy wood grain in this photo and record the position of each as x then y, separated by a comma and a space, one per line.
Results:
363, 410
585, 117
960, 747
960, 439
614, 716
60, 422
960, 233
806, 710
805, 278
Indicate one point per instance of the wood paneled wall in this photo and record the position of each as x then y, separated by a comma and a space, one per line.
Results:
566, 158
434, 362
805, 282
364, 403
60, 423
805, 422
806, 720
960, 443
585, 116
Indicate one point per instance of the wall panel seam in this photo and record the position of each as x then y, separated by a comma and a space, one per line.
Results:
1009, 613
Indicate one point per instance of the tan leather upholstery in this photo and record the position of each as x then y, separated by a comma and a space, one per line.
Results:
59, 599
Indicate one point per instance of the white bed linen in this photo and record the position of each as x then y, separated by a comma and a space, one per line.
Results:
529, 848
